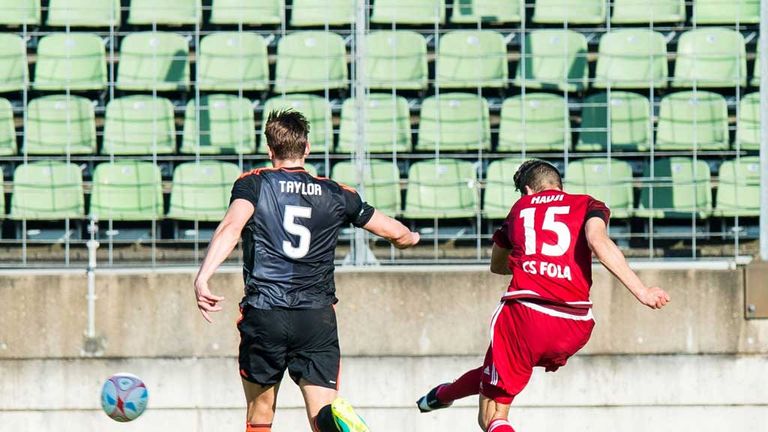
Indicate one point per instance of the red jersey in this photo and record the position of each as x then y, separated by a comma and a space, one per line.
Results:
550, 257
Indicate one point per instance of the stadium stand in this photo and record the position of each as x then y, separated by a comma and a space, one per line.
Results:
20, 12
247, 12
139, 125
127, 190
487, 11
408, 12
200, 190
535, 122
83, 13
396, 60
553, 59
738, 191
165, 12
710, 57
60, 125
7, 129
444, 188
720, 12
387, 125
648, 11
233, 61
681, 188
609, 181
632, 58
621, 123
691, 120
381, 183
226, 126
47, 190
472, 59
569, 11
748, 125
454, 122
13, 63
70, 61
309, 13
500, 193
310, 61
153, 61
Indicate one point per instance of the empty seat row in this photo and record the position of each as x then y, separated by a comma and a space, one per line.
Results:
316, 60
674, 187
444, 188
534, 122
106, 13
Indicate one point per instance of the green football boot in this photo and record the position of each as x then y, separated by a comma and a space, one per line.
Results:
345, 417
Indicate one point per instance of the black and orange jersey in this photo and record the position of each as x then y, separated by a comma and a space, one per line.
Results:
290, 240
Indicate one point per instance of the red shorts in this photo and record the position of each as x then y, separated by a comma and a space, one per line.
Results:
526, 334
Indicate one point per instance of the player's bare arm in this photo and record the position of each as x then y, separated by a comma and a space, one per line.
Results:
222, 244
611, 257
392, 230
500, 261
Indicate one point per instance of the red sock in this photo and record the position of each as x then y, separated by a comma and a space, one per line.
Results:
500, 425
467, 385
250, 427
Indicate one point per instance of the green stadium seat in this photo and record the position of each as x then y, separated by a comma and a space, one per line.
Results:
249, 12
648, 11
454, 122
7, 129
632, 58
689, 120
726, 12
58, 125
381, 183
756, 71
710, 57
47, 190
71, 61
569, 11
233, 61
322, 12
396, 59
471, 59
553, 59
139, 125
83, 13
748, 125
200, 190
226, 126
165, 12
408, 12
536, 122
317, 111
679, 188
738, 191
487, 11
387, 125
127, 190
153, 61
444, 188
19, 12
500, 193
310, 61
608, 180
13, 63
624, 123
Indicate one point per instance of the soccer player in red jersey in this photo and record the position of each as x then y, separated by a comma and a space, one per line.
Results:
545, 317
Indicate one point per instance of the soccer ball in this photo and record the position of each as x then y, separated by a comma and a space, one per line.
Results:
124, 397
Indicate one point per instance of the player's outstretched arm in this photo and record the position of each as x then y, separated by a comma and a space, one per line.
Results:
223, 242
611, 257
392, 230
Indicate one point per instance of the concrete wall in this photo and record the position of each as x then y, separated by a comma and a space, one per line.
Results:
697, 365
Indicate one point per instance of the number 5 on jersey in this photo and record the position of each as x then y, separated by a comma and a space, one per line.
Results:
290, 225
560, 229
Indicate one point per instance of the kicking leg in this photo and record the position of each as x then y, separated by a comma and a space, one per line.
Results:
443, 395
493, 416
261, 402
329, 413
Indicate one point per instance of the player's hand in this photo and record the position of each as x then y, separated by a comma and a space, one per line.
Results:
412, 239
654, 298
206, 301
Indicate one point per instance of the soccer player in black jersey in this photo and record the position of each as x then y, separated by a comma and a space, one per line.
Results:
289, 222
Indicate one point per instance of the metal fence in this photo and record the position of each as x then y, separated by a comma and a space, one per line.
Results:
427, 106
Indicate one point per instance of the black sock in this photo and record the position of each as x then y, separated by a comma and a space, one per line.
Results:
324, 420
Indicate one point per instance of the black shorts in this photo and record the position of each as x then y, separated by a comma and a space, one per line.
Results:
304, 341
